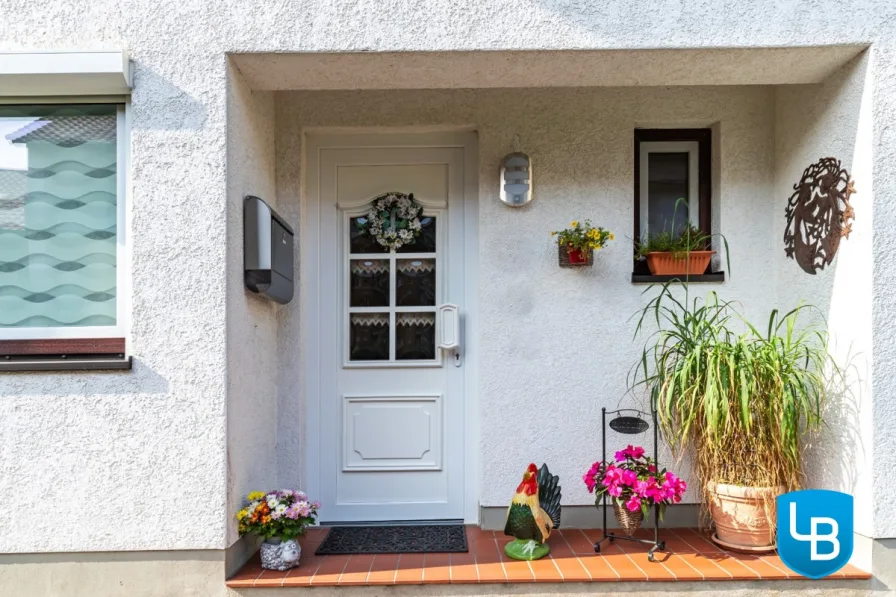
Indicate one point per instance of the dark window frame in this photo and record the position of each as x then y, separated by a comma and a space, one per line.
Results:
703, 137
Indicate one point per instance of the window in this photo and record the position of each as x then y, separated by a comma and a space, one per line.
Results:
61, 221
392, 297
672, 164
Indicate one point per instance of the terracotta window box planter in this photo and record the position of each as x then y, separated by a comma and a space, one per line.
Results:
693, 263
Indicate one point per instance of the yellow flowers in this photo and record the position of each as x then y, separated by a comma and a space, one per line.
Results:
579, 237
242, 514
256, 495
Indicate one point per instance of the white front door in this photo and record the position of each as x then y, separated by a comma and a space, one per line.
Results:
390, 402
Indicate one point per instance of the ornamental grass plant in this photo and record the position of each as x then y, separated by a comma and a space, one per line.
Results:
739, 398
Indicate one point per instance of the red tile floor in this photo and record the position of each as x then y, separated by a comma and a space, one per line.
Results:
689, 556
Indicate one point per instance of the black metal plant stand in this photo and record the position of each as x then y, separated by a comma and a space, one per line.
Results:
631, 424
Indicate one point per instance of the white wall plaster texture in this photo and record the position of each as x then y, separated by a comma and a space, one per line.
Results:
251, 319
147, 439
815, 121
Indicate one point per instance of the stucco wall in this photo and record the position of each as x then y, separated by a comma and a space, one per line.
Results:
556, 344
147, 440
814, 121
136, 460
251, 319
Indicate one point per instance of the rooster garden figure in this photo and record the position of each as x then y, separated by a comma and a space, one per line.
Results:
533, 514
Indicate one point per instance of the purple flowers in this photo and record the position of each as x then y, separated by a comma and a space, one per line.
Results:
633, 480
282, 513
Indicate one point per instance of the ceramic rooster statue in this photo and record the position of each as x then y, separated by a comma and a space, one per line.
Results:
533, 514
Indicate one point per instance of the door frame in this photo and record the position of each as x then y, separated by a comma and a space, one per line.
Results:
313, 141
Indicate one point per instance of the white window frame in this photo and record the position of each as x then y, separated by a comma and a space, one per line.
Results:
122, 256
692, 148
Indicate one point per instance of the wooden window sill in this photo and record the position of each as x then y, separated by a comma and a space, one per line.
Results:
714, 277
87, 354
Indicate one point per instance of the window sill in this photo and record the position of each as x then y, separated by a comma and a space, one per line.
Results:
87, 354
715, 277
62, 363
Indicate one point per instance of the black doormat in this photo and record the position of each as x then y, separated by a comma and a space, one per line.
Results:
395, 539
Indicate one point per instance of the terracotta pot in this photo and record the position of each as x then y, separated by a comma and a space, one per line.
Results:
693, 263
577, 256
742, 516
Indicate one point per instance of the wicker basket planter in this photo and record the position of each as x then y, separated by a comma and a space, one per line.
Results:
628, 521
569, 258
694, 263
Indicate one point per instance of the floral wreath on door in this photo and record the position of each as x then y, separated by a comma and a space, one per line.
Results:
394, 220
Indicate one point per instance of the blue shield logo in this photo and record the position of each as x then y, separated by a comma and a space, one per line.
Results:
815, 531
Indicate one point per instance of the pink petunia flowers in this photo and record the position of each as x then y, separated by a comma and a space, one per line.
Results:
634, 481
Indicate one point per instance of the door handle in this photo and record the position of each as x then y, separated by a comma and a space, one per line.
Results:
449, 330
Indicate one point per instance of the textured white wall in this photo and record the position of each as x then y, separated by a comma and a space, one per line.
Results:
814, 121
147, 440
136, 460
556, 344
251, 320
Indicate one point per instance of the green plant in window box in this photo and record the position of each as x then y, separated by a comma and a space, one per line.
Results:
679, 245
580, 239
687, 252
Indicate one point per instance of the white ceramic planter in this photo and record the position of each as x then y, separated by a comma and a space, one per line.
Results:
280, 555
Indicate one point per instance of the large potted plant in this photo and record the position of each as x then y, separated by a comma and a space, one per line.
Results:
687, 252
739, 399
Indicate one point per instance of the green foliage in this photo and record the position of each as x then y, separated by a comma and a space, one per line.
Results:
690, 238
741, 400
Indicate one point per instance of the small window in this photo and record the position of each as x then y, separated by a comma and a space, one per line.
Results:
672, 180
61, 214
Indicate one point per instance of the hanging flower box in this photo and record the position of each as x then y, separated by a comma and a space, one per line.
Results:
576, 245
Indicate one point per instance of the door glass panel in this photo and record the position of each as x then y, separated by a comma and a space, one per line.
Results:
360, 240
369, 337
667, 176
369, 283
416, 283
426, 242
415, 336
390, 298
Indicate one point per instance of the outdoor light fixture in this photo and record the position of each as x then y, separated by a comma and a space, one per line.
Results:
516, 179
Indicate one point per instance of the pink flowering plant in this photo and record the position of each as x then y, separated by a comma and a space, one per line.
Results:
284, 514
633, 481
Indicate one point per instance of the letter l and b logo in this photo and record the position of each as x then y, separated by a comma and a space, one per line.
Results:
815, 531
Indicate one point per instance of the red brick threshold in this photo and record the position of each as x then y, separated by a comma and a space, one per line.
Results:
690, 556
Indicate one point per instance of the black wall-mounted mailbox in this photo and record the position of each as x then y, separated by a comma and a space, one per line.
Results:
268, 251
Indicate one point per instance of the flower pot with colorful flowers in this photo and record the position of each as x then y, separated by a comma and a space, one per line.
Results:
576, 244
633, 484
280, 517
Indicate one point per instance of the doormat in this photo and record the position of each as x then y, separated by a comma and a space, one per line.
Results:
395, 539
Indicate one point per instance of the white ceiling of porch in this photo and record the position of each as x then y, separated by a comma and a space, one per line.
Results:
579, 68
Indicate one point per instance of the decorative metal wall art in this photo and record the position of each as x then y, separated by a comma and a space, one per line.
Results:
819, 215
